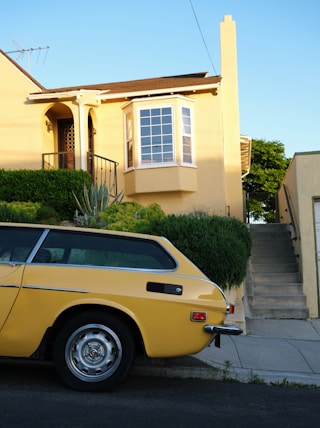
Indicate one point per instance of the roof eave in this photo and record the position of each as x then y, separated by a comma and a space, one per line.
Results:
148, 92
107, 95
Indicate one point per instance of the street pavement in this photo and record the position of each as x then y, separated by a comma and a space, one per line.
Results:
273, 351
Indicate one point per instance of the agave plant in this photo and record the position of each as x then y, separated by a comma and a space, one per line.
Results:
93, 201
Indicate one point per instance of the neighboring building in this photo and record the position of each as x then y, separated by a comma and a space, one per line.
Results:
299, 206
171, 140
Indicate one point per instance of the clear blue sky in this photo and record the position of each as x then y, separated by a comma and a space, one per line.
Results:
101, 41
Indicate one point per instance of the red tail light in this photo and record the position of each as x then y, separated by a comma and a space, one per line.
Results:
230, 308
199, 316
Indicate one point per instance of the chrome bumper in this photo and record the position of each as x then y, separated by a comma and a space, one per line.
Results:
223, 329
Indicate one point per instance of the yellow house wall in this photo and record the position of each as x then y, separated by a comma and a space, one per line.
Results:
303, 183
20, 124
201, 187
212, 184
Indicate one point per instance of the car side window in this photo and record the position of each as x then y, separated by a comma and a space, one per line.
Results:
16, 243
93, 249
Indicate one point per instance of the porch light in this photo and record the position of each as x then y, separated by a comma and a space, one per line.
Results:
49, 125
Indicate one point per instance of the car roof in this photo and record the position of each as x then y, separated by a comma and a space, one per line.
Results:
83, 229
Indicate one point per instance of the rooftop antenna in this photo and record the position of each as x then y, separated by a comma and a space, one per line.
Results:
28, 51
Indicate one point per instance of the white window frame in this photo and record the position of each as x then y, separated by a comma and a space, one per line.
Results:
187, 135
129, 139
151, 164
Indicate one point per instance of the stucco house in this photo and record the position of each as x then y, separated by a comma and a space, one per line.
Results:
299, 206
172, 140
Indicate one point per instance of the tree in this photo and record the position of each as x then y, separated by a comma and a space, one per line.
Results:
268, 168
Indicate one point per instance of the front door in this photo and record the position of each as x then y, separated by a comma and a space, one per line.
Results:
66, 144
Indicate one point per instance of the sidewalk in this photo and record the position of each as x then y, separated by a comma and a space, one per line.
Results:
278, 351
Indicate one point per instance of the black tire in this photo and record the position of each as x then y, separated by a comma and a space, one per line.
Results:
94, 352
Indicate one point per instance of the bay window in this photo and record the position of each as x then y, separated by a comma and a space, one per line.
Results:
159, 132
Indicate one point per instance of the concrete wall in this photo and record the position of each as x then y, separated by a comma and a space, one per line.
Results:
302, 182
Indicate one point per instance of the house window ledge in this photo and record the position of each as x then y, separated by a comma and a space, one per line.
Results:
164, 179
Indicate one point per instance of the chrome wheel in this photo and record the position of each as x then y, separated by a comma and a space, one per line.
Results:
93, 352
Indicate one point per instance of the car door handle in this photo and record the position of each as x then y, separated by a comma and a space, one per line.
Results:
159, 287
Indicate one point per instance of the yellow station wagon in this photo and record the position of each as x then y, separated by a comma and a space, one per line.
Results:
89, 299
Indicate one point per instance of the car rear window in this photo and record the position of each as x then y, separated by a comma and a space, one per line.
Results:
81, 248
16, 243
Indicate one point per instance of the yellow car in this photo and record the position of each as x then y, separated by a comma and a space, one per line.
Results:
88, 299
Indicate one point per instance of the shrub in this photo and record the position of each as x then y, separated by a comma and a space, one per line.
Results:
12, 213
47, 215
52, 188
219, 246
131, 217
28, 212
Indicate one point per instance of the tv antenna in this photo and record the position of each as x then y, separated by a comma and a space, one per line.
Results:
21, 51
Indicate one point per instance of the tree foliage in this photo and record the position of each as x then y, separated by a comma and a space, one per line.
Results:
268, 168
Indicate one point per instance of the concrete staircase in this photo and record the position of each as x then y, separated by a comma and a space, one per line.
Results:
273, 287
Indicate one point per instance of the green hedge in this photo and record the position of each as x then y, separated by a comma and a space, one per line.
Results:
219, 246
50, 188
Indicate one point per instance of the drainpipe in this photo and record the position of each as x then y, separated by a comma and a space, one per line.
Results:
83, 156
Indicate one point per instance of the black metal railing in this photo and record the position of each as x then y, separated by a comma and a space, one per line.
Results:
102, 170
293, 222
58, 160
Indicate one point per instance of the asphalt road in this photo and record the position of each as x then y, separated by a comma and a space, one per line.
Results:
31, 395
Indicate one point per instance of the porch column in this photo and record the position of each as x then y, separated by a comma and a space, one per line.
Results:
83, 133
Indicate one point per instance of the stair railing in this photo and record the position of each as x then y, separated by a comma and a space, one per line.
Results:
293, 220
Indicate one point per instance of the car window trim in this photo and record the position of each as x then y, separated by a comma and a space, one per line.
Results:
37, 245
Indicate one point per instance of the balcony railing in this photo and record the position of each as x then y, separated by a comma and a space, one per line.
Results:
102, 170
58, 160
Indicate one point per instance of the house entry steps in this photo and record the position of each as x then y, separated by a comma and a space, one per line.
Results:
273, 286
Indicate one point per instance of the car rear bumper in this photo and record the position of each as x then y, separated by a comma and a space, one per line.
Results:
223, 329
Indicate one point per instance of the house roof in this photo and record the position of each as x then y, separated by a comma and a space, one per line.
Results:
142, 87
182, 83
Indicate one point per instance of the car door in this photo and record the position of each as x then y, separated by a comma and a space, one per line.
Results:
16, 243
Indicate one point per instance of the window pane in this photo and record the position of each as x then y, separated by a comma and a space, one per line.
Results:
167, 139
166, 110
145, 130
167, 148
145, 141
144, 113
156, 120
159, 133
145, 150
155, 112
166, 119
107, 250
17, 243
156, 130
145, 121
156, 140
186, 137
167, 129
